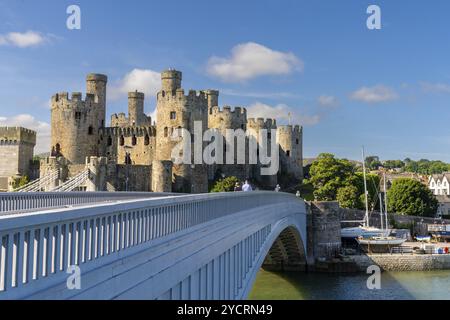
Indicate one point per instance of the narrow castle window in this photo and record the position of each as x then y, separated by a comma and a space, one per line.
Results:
109, 141
173, 115
288, 153
297, 141
147, 140
122, 140
134, 140
77, 115
90, 131
166, 132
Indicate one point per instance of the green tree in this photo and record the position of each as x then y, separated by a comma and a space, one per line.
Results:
349, 197
393, 164
373, 162
411, 197
328, 174
373, 184
20, 182
225, 185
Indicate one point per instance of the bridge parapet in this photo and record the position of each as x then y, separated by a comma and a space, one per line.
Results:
37, 248
11, 203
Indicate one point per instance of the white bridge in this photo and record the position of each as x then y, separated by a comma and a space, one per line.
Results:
145, 245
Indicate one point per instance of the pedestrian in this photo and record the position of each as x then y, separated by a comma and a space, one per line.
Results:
246, 187
277, 188
237, 187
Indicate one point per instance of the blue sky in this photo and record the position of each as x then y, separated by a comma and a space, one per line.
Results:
388, 89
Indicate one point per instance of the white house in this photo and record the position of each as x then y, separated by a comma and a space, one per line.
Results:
439, 184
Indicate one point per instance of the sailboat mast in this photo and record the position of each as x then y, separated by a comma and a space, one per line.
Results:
385, 201
381, 211
365, 187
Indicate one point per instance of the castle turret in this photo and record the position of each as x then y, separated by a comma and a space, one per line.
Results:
171, 80
96, 85
136, 108
213, 98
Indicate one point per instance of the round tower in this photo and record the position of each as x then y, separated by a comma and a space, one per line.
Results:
96, 85
290, 140
171, 80
213, 98
135, 107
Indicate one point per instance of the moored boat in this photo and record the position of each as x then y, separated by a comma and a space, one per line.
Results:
379, 244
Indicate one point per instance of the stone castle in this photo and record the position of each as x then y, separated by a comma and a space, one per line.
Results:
134, 153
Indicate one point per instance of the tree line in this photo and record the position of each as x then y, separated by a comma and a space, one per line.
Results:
423, 166
341, 180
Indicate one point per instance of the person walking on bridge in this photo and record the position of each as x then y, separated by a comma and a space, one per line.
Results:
247, 187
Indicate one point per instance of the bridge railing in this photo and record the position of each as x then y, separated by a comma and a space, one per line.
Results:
20, 202
37, 248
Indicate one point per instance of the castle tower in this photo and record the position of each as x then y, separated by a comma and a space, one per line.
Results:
171, 80
77, 124
96, 85
174, 111
213, 98
291, 151
255, 126
16, 152
136, 108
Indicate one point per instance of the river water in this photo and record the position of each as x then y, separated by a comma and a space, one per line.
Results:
316, 286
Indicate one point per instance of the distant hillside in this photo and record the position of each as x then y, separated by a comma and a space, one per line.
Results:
42, 155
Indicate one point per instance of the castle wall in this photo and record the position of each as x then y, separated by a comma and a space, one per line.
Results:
139, 142
129, 178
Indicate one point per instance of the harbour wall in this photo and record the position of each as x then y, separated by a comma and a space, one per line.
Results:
398, 262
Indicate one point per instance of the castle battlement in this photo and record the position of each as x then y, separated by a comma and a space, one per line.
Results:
131, 131
296, 129
13, 135
238, 111
262, 123
62, 99
178, 97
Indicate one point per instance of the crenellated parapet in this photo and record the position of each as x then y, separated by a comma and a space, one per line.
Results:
17, 135
261, 123
130, 131
227, 118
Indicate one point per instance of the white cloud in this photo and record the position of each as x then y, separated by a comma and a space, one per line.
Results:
28, 121
328, 101
435, 87
23, 40
282, 113
376, 94
143, 80
250, 60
